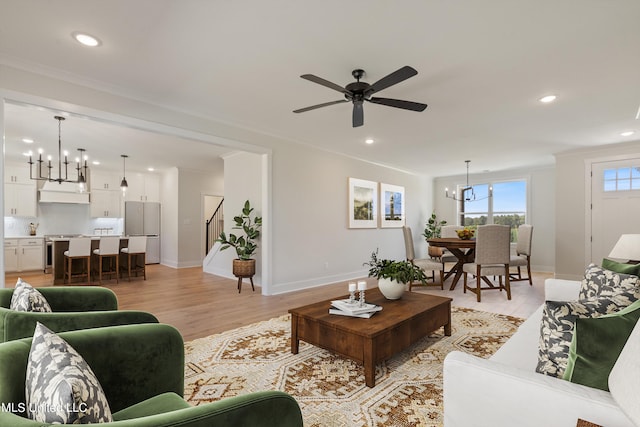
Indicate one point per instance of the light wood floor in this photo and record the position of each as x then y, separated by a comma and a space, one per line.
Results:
200, 304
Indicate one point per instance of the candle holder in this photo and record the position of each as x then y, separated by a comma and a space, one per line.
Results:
361, 298
352, 293
362, 286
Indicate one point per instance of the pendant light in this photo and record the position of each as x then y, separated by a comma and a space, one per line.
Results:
82, 177
123, 183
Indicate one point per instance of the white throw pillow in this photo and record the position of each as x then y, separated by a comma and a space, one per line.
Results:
61, 388
27, 298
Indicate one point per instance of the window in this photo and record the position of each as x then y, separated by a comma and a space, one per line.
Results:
622, 179
507, 206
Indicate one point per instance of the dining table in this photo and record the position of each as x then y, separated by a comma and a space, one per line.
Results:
463, 249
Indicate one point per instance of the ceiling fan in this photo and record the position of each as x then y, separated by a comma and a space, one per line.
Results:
358, 92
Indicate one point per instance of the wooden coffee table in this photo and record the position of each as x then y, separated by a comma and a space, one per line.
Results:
370, 341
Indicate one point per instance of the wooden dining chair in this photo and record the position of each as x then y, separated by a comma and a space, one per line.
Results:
425, 264
493, 253
523, 253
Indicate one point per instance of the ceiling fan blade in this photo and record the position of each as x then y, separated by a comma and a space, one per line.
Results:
323, 82
358, 114
398, 103
326, 104
394, 78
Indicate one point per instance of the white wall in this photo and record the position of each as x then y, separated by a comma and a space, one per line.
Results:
312, 243
169, 218
540, 206
571, 203
192, 185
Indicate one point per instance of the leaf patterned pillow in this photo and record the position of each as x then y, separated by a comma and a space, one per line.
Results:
27, 298
601, 283
556, 330
60, 387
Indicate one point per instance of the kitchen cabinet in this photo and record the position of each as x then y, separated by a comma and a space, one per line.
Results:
11, 255
143, 188
23, 254
101, 180
105, 204
19, 173
20, 200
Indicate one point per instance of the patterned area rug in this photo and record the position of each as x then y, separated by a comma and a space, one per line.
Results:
331, 389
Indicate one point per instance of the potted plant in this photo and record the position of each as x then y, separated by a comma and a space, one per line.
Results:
245, 243
393, 275
433, 229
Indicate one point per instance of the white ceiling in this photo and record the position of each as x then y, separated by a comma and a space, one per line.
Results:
481, 65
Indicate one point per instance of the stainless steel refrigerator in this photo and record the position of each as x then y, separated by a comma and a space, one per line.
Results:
143, 219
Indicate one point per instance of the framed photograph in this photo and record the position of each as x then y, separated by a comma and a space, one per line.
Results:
363, 203
391, 206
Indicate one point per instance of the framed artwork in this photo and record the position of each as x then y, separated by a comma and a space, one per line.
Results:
363, 203
391, 206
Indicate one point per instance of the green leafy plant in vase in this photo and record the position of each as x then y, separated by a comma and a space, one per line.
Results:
393, 276
244, 243
433, 229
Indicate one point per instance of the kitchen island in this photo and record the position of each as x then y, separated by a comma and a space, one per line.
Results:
61, 244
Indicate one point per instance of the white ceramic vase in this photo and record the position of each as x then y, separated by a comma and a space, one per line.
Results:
391, 289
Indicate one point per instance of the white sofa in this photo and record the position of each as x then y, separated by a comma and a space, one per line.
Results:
505, 390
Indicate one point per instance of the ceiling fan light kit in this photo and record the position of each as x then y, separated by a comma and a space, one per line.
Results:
358, 92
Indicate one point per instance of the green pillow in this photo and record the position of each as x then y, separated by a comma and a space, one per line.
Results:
597, 343
620, 267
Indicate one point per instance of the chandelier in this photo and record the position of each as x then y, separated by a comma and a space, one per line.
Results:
467, 193
81, 170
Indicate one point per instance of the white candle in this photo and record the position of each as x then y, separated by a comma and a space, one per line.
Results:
352, 287
362, 285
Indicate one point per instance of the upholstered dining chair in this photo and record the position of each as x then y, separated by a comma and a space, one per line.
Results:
136, 248
79, 248
426, 264
493, 252
109, 247
523, 253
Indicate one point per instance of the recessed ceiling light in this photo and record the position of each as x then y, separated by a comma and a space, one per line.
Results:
547, 99
95, 162
86, 39
369, 141
27, 140
150, 169
627, 133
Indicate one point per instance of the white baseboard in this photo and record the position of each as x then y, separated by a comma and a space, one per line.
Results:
283, 288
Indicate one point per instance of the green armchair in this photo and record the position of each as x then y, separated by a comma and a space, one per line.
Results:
141, 370
73, 308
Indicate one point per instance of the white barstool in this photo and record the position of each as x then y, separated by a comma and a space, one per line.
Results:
137, 246
110, 248
79, 248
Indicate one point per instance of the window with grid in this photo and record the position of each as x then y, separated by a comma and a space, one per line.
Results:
506, 206
625, 178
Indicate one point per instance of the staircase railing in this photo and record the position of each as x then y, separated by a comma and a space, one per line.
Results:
214, 226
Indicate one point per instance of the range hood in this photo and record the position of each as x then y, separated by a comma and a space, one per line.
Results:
65, 192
